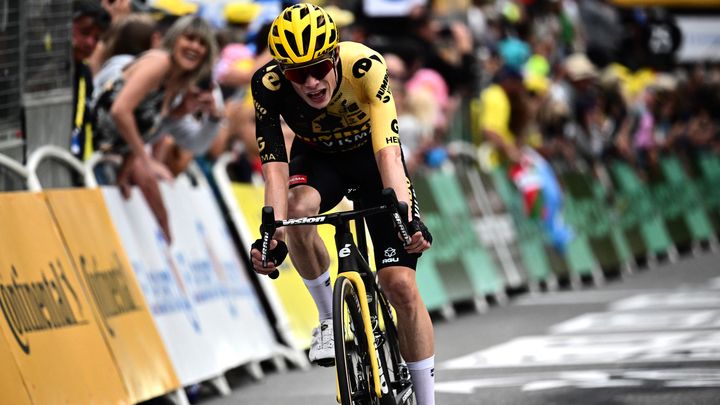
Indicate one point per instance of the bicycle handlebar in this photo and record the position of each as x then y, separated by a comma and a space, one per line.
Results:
397, 209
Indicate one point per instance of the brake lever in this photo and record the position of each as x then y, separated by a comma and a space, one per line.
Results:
267, 229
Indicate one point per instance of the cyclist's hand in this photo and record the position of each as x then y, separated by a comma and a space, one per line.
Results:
276, 255
421, 239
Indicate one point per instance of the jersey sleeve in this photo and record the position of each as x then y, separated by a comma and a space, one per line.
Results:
372, 74
266, 92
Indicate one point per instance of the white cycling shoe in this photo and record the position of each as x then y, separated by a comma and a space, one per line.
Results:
322, 348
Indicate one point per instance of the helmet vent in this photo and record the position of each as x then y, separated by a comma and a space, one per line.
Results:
333, 36
304, 12
292, 42
306, 38
275, 31
280, 50
320, 20
287, 15
320, 42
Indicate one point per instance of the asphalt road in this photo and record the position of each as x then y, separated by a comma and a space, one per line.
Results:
652, 337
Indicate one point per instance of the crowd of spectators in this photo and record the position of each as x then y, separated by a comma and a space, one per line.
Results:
581, 82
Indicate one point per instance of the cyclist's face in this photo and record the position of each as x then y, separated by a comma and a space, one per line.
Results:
317, 92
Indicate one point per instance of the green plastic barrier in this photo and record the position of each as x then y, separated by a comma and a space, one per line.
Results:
529, 235
586, 211
445, 252
707, 185
465, 270
680, 201
451, 201
636, 209
431, 287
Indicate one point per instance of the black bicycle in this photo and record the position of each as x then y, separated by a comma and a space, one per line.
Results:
370, 369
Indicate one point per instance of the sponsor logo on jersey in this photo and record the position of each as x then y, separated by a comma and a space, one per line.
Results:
297, 179
342, 139
260, 111
363, 65
271, 81
268, 157
383, 94
390, 256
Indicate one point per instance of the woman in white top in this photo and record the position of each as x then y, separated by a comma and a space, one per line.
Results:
147, 94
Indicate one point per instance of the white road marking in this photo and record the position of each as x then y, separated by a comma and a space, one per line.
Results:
589, 379
614, 322
624, 348
654, 301
575, 297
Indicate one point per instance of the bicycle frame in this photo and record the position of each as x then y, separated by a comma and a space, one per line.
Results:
352, 261
352, 264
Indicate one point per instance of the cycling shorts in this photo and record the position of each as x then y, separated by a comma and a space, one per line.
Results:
333, 175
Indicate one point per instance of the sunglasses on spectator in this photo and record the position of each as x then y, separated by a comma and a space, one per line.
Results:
318, 70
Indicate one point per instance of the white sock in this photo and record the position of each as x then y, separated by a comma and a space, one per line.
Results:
423, 377
322, 294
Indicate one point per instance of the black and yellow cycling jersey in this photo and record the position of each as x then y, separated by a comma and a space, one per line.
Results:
361, 111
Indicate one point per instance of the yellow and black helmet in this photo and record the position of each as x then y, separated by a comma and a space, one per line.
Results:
302, 33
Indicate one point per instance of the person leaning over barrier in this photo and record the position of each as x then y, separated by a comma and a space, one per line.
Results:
335, 97
134, 109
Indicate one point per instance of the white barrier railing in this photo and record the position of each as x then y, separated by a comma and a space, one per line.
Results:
295, 355
57, 153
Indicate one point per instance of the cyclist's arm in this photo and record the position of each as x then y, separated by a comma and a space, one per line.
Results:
271, 143
276, 191
386, 142
385, 132
392, 172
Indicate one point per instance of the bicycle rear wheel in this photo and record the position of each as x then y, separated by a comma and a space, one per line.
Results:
351, 348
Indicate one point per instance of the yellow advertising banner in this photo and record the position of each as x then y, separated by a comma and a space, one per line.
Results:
47, 319
110, 282
296, 301
11, 384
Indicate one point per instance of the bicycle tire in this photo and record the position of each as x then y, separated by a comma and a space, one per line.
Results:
351, 350
394, 367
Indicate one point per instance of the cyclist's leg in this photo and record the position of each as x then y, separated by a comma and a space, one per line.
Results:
415, 330
313, 186
307, 251
396, 274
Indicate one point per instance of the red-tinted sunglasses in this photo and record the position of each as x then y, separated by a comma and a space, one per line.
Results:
317, 70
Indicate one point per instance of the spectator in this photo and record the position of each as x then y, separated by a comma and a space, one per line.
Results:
90, 20
133, 110
415, 134
503, 115
125, 40
602, 27
447, 49
117, 10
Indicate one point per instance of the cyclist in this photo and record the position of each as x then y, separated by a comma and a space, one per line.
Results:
335, 97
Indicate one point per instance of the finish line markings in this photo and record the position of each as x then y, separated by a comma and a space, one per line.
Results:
591, 379
646, 328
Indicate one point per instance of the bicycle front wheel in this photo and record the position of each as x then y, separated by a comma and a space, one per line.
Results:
352, 360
